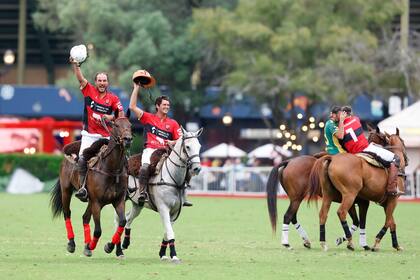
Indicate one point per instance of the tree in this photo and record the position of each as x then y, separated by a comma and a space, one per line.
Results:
126, 35
327, 49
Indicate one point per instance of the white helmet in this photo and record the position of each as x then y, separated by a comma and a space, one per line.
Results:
78, 53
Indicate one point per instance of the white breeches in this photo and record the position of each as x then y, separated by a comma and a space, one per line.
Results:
146, 154
381, 152
88, 139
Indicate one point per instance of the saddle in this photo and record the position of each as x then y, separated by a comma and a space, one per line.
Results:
371, 159
156, 161
71, 151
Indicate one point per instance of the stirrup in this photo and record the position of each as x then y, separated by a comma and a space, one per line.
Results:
82, 194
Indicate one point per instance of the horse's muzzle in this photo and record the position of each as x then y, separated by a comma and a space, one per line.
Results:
127, 141
196, 170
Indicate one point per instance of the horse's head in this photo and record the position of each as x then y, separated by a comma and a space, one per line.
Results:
376, 136
396, 145
121, 131
189, 150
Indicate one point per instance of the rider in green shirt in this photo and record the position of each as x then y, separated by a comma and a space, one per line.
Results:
332, 132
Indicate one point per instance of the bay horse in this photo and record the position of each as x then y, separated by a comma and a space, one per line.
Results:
166, 190
293, 175
106, 183
352, 176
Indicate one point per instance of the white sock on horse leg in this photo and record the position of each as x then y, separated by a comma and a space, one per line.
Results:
301, 231
353, 229
362, 239
285, 234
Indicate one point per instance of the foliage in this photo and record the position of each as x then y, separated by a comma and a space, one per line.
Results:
327, 49
127, 35
43, 166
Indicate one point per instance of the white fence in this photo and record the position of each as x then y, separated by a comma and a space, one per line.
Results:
252, 180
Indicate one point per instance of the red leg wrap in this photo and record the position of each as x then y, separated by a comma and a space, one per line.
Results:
86, 229
117, 235
92, 244
69, 228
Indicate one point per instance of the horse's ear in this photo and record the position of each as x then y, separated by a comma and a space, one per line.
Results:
369, 127
198, 133
184, 132
386, 134
398, 131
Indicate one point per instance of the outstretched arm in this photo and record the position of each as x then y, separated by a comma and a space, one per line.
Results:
78, 72
133, 101
340, 132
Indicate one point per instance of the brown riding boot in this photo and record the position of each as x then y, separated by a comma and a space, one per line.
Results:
82, 193
143, 180
392, 188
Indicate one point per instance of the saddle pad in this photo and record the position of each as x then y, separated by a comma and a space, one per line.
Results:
94, 160
160, 163
369, 159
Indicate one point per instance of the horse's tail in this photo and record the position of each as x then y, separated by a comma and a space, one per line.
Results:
314, 178
56, 201
272, 188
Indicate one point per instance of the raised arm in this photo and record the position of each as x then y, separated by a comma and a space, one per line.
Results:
340, 132
79, 75
133, 101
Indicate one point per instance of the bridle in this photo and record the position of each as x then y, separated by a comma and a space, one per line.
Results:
188, 161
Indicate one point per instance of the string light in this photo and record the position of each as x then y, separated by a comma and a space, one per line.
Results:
321, 124
299, 147
315, 139
293, 137
282, 127
289, 143
312, 126
304, 128
279, 135
287, 135
312, 119
299, 116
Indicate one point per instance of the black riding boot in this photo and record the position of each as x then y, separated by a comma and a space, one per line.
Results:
82, 193
392, 184
143, 180
187, 185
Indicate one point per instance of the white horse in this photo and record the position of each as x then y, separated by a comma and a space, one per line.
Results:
166, 190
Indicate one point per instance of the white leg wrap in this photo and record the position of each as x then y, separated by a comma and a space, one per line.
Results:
301, 231
285, 234
353, 229
362, 239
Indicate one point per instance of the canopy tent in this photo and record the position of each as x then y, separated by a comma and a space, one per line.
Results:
407, 121
269, 151
224, 150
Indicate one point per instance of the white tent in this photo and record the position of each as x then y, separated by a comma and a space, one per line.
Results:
407, 121
269, 151
224, 150
23, 182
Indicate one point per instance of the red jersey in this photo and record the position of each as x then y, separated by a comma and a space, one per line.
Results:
158, 131
96, 107
354, 140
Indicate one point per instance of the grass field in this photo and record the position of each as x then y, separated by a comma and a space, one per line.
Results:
216, 239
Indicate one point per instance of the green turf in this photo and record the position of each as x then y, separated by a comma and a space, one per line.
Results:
216, 239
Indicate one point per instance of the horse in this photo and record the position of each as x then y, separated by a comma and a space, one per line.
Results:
166, 190
106, 182
352, 176
293, 175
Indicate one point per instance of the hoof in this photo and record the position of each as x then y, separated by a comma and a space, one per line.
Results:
350, 247
324, 246
366, 248
164, 258
71, 246
175, 260
126, 243
121, 257
87, 252
307, 244
109, 247
375, 249
399, 248
339, 241
287, 246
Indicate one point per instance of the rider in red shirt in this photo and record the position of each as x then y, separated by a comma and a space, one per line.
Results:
159, 130
354, 141
98, 103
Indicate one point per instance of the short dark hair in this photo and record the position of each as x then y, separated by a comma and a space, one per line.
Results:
335, 109
158, 100
346, 109
106, 74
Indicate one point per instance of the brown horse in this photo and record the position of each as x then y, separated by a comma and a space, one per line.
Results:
106, 183
351, 176
293, 175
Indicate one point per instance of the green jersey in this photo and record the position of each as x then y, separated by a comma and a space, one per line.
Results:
331, 141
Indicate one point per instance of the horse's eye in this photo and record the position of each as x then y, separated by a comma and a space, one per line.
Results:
188, 148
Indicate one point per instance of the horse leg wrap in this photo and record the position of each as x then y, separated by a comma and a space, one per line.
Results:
86, 229
69, 228
285, 234
117, 235
322, 233
172, 248
163, 247
301, 231
93, 243
346, 229
394, 239
381, 233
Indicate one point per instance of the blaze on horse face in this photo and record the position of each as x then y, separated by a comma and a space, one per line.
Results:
121, 131
191, 150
